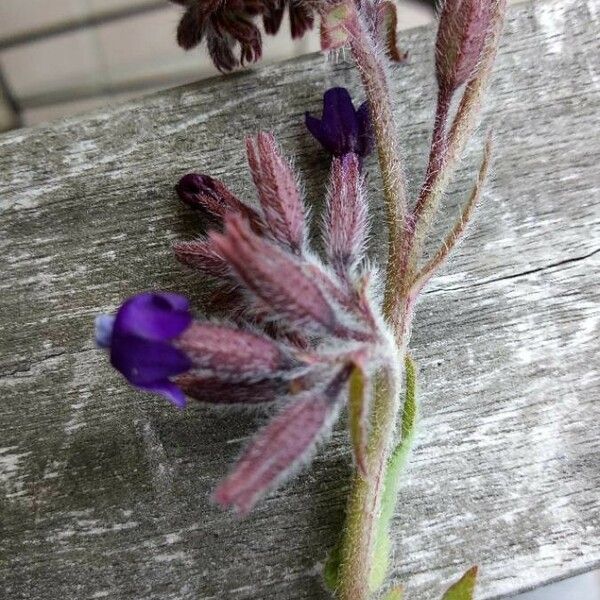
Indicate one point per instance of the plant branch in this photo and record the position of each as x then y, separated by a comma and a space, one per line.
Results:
438, 151
462, 126
406, 234
374, 78
458, 230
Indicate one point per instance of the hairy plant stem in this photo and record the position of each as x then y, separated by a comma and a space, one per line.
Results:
407, 231
364, 502
377, 90
458, 134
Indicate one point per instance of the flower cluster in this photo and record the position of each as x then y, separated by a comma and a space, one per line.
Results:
295, 328
297, 331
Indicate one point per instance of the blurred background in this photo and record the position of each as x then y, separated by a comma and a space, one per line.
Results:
64, 57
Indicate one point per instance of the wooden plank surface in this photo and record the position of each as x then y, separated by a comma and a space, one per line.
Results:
104, 491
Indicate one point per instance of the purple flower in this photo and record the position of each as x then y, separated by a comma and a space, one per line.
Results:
140, 339
342, 129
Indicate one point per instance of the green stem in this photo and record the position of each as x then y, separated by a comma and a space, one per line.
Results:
364, 502
406, 233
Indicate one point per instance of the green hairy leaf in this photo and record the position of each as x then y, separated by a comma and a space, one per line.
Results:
464, 588
396, 594
332, 567
356, 417
398, 460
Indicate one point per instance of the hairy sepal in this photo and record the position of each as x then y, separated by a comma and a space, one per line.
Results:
346, 218
463, 29
223, 392
387, 24
284, 444
278, 279
203, 256
278, 191
228, 351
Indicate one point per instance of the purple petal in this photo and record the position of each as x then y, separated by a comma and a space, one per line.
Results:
339, 119
145, 362
168, 390
104, 330
157, 316
175, 301
316, 128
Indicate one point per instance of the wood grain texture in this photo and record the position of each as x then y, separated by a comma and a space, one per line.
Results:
105, 491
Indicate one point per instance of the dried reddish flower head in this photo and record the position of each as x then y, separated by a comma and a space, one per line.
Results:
225, 23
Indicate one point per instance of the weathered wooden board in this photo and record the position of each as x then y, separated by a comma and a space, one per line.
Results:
105, 491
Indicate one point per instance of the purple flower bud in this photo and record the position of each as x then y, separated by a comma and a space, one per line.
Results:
214, 198
277, 190
462, 33
342, 129
141, 341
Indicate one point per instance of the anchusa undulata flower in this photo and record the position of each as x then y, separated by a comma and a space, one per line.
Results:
307, 334
141, 338
342, 129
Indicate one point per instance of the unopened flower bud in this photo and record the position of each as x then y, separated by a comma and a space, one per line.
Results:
462, 33
214, 198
